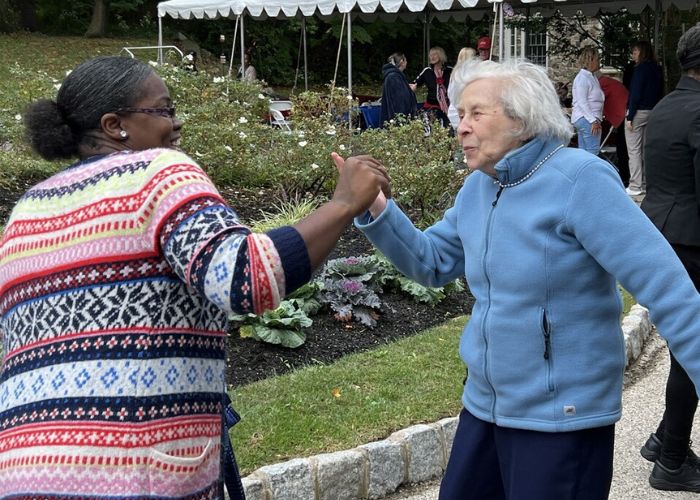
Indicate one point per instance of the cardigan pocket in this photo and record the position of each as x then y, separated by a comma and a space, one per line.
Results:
186, 470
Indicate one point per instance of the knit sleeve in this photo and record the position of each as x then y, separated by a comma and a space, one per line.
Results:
216, 255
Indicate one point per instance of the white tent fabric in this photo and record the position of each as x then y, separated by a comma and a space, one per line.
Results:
211, 9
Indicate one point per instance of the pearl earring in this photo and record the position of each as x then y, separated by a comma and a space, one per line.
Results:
123, 134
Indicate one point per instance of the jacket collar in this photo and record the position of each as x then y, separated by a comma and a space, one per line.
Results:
688, 83
517, 163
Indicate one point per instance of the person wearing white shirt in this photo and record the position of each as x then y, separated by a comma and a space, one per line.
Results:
588, 98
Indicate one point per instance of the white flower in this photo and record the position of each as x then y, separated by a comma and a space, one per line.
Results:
314, 166
242, 135
330, 131
228, 148
57, 86
189, 57
218, 79
243, 119
153, 63
260, 96
302, 143
349, 98
18, 117
342, 147
69, 72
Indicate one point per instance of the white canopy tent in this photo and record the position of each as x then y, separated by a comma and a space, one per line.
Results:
366, 10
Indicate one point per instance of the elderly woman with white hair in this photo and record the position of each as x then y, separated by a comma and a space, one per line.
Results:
542, 233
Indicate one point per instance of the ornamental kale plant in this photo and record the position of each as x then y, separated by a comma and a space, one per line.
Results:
351, 299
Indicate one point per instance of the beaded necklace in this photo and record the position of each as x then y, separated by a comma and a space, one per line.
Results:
529, 174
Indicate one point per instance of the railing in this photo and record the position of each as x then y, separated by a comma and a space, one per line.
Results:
129, 50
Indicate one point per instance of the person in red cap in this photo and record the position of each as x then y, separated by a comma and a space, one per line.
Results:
484, 48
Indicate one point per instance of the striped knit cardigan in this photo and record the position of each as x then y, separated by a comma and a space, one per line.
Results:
116, 277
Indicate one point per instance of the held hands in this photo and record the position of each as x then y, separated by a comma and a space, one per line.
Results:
363, 184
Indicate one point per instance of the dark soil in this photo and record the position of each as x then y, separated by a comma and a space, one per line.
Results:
327, 339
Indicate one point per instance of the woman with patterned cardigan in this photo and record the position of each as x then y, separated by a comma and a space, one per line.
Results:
116, 278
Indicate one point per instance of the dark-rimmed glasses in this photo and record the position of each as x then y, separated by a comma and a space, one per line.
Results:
164, 112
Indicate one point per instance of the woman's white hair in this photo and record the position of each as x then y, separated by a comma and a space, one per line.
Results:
527, 95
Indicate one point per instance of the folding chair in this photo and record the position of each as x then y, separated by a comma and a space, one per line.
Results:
277, 119
608, 151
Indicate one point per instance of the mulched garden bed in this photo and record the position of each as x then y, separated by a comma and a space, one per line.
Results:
328, 339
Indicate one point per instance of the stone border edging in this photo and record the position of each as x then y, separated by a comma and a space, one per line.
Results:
412, 455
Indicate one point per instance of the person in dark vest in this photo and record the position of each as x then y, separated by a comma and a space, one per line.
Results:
397, 96
672, 202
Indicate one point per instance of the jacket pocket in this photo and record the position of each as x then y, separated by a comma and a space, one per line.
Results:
547, 347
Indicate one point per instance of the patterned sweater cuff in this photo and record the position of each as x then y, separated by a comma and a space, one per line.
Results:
293, 255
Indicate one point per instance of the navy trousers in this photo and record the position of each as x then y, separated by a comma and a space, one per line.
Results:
489, 462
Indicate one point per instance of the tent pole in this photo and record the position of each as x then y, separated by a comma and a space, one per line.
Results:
501, 32
425, 37
242, 47
349, 55
657, 21
233, 46
493, 30
160, 40
427, 34
306, 66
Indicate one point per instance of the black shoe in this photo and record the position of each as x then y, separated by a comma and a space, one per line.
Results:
652, 449
685, 478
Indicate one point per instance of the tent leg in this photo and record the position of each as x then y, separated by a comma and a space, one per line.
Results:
242, 48
501, 32
160, 40
306, 66
349, 55
233, 46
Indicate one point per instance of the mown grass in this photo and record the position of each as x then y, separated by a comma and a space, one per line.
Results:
361, 398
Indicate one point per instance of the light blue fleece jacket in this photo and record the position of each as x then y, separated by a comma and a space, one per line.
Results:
544, 347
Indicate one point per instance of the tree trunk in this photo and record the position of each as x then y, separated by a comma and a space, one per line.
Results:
27, 13
98, 24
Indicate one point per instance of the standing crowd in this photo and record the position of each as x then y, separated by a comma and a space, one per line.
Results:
117, 275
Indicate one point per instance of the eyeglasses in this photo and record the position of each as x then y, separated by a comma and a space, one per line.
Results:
164, 112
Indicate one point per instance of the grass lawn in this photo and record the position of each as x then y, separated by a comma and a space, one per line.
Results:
361, 398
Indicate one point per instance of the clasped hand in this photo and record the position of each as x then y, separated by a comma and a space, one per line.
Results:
363, 184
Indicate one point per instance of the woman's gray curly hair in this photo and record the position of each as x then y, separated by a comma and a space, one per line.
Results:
528, 96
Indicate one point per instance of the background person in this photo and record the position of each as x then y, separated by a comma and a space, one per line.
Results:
484, 48
250, 74
587, 101
117, 275
436, 79
645, 92
543, 233
397, 96
465, 54
672, 202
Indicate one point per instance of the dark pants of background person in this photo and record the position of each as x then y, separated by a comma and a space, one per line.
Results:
622, 162
499, 463
681, 398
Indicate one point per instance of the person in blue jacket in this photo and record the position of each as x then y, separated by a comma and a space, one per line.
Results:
397, 96
543, 233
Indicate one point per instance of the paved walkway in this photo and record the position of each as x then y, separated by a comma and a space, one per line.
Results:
642, 401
